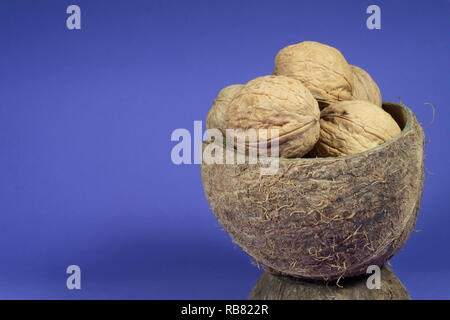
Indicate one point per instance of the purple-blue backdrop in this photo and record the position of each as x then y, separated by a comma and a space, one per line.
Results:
86, 116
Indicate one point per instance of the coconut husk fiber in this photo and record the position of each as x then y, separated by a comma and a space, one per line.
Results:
276, 287
324, 218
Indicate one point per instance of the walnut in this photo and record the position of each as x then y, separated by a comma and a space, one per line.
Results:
277, 102
350, 127
216, 116
364, 88
321, 68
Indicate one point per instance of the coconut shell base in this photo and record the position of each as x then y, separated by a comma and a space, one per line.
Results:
324, 218
277, 287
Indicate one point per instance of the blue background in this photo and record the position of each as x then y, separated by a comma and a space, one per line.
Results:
86, 116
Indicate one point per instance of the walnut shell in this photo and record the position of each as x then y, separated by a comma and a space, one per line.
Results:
350, 127
216, 115
277, 102
364, 88
321, 68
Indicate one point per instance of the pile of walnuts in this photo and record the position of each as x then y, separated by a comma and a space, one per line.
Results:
321, 105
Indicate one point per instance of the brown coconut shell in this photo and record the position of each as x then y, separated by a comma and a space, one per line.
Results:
276, 287
324, 218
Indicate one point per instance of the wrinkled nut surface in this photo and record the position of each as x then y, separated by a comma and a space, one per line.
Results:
364, 88
350, 127
216, 115
321, 68
276, 102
